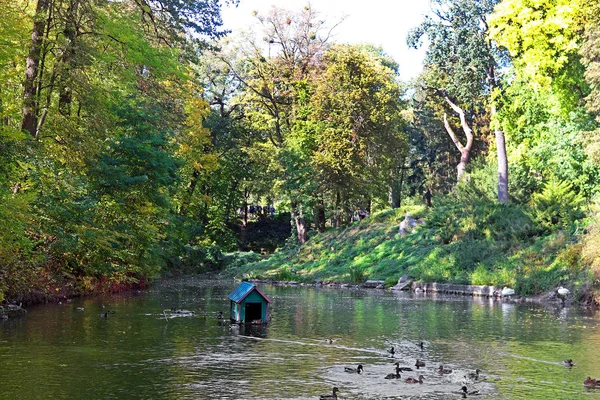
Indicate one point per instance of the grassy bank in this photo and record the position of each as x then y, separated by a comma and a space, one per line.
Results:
479, 242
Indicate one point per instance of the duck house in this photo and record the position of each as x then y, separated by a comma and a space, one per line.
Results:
248, 305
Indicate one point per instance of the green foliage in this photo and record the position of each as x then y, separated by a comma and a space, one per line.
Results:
202, 259
356, 121
357, 274
590, 52
469, 240
458, 47
239, 259
523, 28
557, 205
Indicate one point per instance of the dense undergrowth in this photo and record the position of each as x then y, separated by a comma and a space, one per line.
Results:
478, 242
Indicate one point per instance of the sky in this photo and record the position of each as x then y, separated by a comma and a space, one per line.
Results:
383, 23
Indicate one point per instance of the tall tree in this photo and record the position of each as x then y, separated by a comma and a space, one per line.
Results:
460, 49
359, 139
287, 58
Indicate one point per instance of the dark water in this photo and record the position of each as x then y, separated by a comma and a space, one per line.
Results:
56, 352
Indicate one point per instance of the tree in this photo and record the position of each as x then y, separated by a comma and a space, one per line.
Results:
273, 72
358, 130
543, 101
467, 61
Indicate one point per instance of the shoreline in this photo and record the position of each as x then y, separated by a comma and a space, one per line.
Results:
473, 291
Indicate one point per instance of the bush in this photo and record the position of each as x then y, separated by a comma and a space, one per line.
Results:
357, 274
557, 205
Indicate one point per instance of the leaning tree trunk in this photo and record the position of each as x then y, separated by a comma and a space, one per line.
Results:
30, 105
466, 149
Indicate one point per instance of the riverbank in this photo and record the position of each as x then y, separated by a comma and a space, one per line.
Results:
481, 243
55, 288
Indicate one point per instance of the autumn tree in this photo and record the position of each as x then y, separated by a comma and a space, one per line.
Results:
359, 143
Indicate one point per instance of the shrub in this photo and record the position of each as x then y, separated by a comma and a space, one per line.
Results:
557, 205
357, 274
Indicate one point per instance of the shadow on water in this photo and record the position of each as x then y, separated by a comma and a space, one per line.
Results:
150, 348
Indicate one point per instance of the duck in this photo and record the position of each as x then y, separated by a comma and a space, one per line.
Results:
444, 371
393, 376
330, 396
413, 380
563, 291
392, 351
506, 291
473, 375
421, 345
419, 364
589, 382
568, 363
356, 370
396, 375
466, 391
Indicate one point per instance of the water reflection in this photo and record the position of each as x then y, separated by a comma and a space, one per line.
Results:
137, 352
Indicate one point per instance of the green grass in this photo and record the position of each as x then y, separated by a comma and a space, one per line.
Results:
478, 242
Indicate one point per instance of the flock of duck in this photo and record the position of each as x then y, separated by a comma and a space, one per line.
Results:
464, 391
441, 370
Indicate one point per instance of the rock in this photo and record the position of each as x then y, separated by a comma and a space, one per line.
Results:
407, 225
404, 283
371, 284
469, 290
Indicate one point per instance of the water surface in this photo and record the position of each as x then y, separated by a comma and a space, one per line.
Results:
139, 352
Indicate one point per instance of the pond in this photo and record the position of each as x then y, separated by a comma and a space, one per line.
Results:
140, 352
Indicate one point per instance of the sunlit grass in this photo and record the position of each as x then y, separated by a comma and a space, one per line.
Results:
481, 243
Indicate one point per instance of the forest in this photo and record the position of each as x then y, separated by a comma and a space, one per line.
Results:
139, 139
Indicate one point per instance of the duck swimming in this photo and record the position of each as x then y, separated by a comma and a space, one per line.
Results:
396, 375
330, 396
443, 371
393, 376
591, 383
568, 363
356, 370
473, 375
419, 364
413, 380
392, 351
466, 391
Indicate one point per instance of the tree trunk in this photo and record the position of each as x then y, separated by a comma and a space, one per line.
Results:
502, 163
320, 217
70, 31
427, 198
396, 190
30, 106
300, 222
190, 192
466, 149
230, 200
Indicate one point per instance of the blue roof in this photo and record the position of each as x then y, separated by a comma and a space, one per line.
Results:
244, 290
